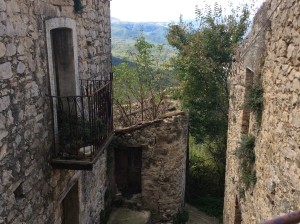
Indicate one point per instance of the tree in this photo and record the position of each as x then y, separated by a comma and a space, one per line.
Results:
203, 65
140, 84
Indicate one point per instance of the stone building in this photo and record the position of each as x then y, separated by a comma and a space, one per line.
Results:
55, 110
266, 184
56, 121
150, 165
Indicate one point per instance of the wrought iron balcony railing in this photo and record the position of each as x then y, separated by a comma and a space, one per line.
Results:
83, 125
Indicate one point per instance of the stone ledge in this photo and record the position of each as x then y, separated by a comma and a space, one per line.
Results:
148, 123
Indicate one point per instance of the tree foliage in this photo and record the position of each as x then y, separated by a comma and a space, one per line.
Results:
140, 83
203, 66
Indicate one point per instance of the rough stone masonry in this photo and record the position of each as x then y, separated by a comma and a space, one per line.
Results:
31, 191
164, 155
269, 55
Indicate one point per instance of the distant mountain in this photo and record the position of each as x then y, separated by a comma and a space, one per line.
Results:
124, 34
154, 32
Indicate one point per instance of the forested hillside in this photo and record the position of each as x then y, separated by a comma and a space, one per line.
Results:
153, 32
125, 33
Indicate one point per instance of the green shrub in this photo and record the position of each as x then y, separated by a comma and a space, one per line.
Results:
246, 149
254, 100
206, 168
205, 183
248, 176
245, 152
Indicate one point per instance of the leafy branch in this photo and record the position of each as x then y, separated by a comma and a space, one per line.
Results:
139, 86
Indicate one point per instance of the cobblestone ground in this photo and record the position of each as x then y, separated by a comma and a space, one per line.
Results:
198, 217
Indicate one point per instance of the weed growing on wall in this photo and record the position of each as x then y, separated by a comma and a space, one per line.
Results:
254, 100
245, 152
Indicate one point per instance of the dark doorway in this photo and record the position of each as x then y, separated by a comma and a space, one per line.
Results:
63, 58
70, 206
128, 164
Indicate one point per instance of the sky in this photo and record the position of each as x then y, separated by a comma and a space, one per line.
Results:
162, 10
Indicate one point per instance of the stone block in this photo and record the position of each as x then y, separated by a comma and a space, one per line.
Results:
296, 84
21, 68
5, 71
11, 50
20, 49
4, 103
2, 6
13, 7
2, 49
2, 30
10, 31
7, 177
62, 3
3, 16
3, 151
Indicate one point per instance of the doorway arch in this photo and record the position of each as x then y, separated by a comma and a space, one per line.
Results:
62, 52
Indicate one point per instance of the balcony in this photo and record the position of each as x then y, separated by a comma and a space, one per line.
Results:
83, 125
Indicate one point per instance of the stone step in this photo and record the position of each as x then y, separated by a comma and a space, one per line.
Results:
128, 216
133, 202
198, 217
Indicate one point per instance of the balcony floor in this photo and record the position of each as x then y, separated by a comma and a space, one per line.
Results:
82, 164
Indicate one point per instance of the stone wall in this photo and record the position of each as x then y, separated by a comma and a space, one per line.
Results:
271, 53
164, 154
31, 191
